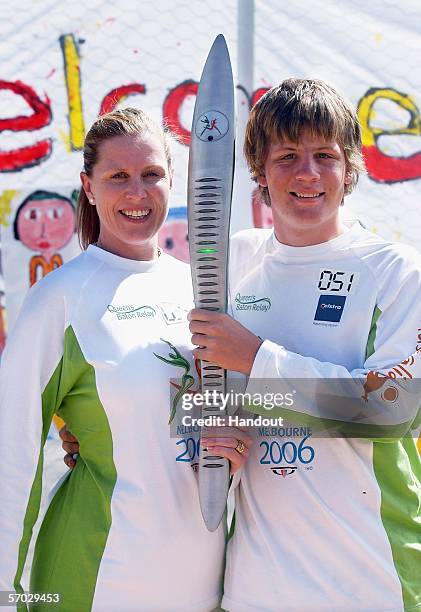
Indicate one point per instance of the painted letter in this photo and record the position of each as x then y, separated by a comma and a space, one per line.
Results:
74, 99
119, 94
172, 106
381, 167
31, 155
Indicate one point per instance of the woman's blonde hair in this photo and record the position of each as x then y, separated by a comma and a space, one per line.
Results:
120, 122
293, 106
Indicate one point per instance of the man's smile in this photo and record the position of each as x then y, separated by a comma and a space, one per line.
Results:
307, 196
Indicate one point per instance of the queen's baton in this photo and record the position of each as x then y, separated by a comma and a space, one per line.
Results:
211, 167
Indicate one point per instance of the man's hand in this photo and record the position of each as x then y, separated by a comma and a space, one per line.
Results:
229, 442
70, 445
223, 341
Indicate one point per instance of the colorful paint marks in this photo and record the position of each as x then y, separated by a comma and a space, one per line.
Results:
173, 238
171, 109
16, 160
5, 206
2, 328
44, 223
381, 167
72, 73
119, 94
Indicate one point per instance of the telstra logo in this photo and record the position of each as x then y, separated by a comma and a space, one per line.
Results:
330, 308
335, 306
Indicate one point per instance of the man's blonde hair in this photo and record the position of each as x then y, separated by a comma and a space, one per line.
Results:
296, 105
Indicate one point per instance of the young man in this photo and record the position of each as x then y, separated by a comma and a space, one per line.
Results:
322, 522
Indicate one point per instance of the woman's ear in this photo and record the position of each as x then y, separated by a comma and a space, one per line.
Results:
86, 184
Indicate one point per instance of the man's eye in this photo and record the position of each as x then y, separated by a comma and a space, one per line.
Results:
151, 173
325, 155
287, 157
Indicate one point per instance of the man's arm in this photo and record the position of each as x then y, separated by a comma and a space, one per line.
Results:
380, 399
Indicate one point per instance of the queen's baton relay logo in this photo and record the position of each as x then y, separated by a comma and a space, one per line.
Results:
251, 302
129, 311
211, 126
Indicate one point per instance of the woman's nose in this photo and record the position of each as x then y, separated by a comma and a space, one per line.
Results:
137, 188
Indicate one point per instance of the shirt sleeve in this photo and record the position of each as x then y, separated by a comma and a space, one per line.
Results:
29, 396
380, 399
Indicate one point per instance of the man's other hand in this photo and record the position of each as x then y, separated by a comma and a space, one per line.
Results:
70, 445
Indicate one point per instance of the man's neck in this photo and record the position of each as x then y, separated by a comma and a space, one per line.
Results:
310, 237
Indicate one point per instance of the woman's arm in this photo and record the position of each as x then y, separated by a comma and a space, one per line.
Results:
29, 391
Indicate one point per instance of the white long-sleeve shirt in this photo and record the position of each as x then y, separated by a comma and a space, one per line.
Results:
327, 522
97, 342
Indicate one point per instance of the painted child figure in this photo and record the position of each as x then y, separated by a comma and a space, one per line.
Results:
45, 223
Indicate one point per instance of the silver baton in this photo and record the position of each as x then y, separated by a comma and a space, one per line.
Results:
211, 167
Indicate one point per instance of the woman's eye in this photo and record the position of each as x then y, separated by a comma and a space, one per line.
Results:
119, 175
151, 173
287, 157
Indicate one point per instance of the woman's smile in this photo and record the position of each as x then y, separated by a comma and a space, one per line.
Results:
136, 215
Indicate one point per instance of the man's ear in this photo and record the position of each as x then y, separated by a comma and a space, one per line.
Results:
86, 184
261, 180
348, 177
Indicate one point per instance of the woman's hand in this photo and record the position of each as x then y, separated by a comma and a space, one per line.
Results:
70, 445
229, 442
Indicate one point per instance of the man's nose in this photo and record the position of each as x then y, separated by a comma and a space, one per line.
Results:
308, 169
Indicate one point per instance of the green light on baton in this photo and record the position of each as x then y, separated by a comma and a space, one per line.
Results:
207, 251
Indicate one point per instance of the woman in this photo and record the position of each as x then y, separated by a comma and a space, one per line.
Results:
107, 332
